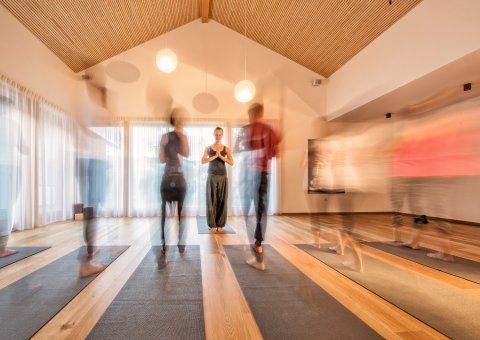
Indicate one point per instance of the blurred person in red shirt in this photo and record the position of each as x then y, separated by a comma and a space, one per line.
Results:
261, 142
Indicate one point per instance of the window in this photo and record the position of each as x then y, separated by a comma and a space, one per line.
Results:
114, 157
55, 148
145, 170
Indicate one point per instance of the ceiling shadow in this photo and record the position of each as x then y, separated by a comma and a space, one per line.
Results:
205, 103
122, 71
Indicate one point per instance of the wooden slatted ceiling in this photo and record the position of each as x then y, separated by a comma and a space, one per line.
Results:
86, 32
321, 35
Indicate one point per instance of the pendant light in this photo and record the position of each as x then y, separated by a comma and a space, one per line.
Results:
244, 90
166, 60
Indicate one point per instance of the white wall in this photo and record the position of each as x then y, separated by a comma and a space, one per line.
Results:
25, 60
299, 123
210, 59
217, 52
433, 34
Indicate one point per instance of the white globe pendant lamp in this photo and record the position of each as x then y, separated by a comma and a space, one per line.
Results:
166, 60
244, 91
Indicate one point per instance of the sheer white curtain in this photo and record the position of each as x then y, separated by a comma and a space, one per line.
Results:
114, 155
37, 164
36, 160
17, 158
145, 170
55, 146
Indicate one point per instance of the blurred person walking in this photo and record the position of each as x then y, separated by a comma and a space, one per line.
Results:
261, 143
173, 186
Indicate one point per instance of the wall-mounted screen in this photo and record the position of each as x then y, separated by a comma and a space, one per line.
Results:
325, 167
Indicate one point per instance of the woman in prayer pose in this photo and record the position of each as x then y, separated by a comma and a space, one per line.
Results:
217, 182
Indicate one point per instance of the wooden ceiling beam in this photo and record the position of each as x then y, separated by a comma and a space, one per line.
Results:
205, 10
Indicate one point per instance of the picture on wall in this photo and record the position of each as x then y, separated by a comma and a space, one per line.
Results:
325, 171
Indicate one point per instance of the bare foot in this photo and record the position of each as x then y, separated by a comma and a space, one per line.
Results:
162, 261
335, 249
441, 256
88, 269
220, 230
7, 252
410, 245
255, 264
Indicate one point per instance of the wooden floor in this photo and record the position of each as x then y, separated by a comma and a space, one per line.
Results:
227, 314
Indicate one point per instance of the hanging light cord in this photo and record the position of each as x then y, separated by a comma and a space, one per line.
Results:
206, 79
206, 60
245, 41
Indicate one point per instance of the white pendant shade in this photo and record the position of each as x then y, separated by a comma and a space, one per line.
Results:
244, 91
166, 60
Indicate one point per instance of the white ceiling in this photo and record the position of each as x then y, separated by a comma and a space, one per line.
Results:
437, 89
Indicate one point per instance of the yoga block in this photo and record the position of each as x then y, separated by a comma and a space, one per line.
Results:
78, 208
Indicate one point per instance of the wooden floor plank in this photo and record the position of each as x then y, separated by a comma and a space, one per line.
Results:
227, 314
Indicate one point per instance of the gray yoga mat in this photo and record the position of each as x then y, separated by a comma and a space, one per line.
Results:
443, 308
203, 228
158, 301
22, 253
463, 268
29, 303
288, 305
